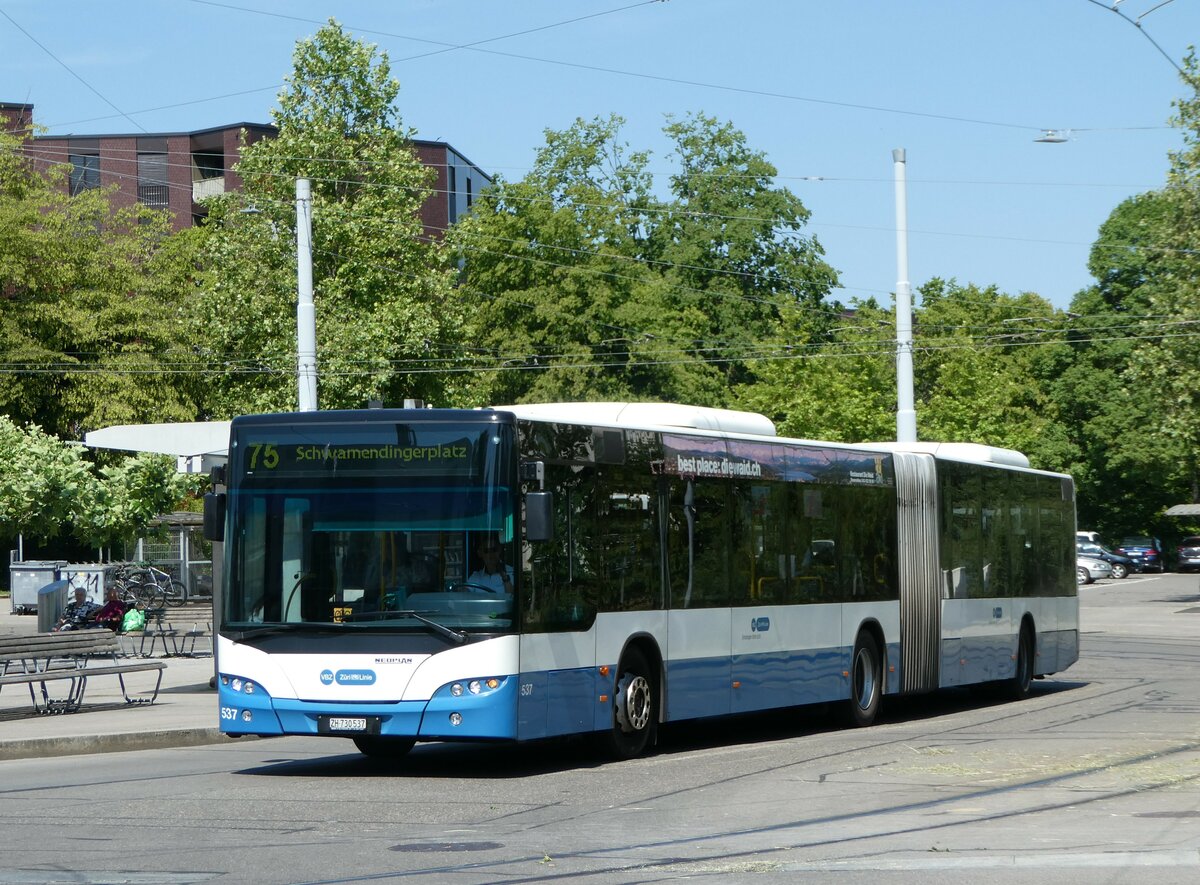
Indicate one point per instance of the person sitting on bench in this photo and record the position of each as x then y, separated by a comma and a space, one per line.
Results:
78, 614
113, 613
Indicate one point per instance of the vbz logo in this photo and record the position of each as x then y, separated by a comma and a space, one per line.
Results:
327, 677
760, 625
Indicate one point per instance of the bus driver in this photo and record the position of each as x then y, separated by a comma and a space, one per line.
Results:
494, 575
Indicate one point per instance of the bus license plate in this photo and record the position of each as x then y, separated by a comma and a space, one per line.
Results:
347, 723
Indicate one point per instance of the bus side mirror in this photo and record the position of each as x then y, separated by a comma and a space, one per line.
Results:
214, 516
539, 516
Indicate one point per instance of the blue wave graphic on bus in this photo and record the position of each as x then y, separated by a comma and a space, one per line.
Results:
348, 677
760, 625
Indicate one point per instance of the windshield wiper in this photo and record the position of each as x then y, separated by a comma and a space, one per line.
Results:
456, 636
275, 630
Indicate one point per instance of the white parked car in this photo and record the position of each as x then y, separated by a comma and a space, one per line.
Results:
1089, 569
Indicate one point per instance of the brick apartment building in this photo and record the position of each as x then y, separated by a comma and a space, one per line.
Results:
177, 170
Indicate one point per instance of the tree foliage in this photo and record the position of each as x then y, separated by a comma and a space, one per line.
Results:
1130, 394
91, 304
829, 382
386, 313
587, 284
50, 488
981, 365
1167, 365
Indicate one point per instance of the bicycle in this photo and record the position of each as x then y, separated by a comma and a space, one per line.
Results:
163, 584
146, 585
132, 588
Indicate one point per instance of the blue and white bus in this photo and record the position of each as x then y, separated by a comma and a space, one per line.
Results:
657, 563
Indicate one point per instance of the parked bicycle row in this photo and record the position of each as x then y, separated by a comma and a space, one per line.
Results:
146, 585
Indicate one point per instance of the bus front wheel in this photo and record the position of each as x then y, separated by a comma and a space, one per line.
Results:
866, 680
380, 747
634, 705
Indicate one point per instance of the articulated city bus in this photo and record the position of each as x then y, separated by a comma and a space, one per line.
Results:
516, 573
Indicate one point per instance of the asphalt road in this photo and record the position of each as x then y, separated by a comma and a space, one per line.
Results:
1094, 779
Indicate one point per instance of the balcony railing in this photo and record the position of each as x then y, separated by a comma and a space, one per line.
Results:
207, 187
156, 196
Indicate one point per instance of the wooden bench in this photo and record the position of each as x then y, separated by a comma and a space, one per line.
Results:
156, 631
74, 656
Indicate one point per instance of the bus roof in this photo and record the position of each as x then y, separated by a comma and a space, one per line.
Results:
975, 453
646, 415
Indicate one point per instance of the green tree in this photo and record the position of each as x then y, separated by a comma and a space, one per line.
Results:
1130, 395
132, 493
586, 284
91, 304
982, 365
733, 247
387, 316
1167, 367
830, 382
51, 489
1125, 466
46, 486
982, 368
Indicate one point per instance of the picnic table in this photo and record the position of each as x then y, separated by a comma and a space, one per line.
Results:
72, 657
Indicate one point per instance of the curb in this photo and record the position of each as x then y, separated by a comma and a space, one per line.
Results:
38, 748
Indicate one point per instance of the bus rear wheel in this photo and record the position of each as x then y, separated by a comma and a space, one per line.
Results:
866, 680
383, 747
634, 705
1018, 686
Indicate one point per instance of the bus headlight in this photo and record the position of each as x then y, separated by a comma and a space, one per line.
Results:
472, 687
239, 685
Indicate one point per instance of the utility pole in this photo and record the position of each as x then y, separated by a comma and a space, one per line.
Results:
306, 313
906, 413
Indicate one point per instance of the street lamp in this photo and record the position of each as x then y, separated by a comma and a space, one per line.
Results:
906, 413
306, 312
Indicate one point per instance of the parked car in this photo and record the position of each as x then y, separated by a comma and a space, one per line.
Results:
1088, 569
1187, 554
1121, 565
1147, 553
1087, 537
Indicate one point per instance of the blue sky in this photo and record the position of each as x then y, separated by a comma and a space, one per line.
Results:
825, 89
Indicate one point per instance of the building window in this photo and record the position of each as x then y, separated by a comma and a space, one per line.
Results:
153, 183
452, 192
85, 172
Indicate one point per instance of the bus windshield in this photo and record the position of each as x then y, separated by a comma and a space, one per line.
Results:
372, 526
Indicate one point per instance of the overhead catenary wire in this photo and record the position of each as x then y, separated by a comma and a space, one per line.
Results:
287, 206
547, 362
104, 98
686, 213
49, 156
53, 156
478, 47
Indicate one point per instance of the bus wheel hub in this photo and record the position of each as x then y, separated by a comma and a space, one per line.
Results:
633, 703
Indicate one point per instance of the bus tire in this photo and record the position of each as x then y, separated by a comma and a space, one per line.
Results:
634, 707
866, 680
383, 747
1018, 686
